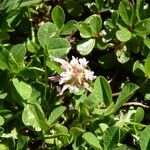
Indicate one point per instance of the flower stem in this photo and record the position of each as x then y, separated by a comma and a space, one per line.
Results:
45, 75
32, 27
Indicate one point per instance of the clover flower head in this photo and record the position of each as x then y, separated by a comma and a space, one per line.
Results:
75, 75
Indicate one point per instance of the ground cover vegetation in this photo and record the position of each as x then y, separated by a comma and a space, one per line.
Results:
74, 74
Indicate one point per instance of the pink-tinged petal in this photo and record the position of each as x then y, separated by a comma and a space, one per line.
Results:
86, 86
83, 62
62, 81
65, 87
54, 78
64, 64
64, 77
74, 62
89, 74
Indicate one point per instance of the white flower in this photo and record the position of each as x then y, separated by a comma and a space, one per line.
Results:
75, 75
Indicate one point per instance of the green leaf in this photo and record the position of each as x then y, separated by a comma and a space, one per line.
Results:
56, 113
16, 58
46, 32
3, 35
126, 12
21, 143
95, 24
1, 131
58, 16
2, 95
32, 72
122, 147
123, 54
85, 48
60, 48
62, 130
54, 66
32, 47
102, 91
18, 52
1, 120
147, 42
126, 93
33, 115
23, 89
99, 4
138, 68
109, 24
12, 17
3, 58
28, 3
145, 139
139, 115
85, 30
111, 138
69, 28
91, 139
139, 8
123, 35
101, 45
75, 132
142, 27
4, 146
115, 17
147, 66
74, 8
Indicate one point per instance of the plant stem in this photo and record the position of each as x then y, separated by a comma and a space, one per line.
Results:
32, 27
45, 76
136, 104
52, 136
134, 123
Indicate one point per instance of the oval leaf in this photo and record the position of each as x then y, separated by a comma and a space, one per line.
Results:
111, 138
56, 113
145, 139
123, 35
147, 66
126, 12
1, 120
91, 139
138, 68
85, 30
139, 8
123, 54
33, 116
139, 115
3, 58
47, 31
69, 28
58, 16
23, 89
143, 27
95, 24
16, 58
102, 91
147, 42
126, 93
86, 47
58, 47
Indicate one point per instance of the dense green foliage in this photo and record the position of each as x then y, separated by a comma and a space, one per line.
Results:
110, 112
